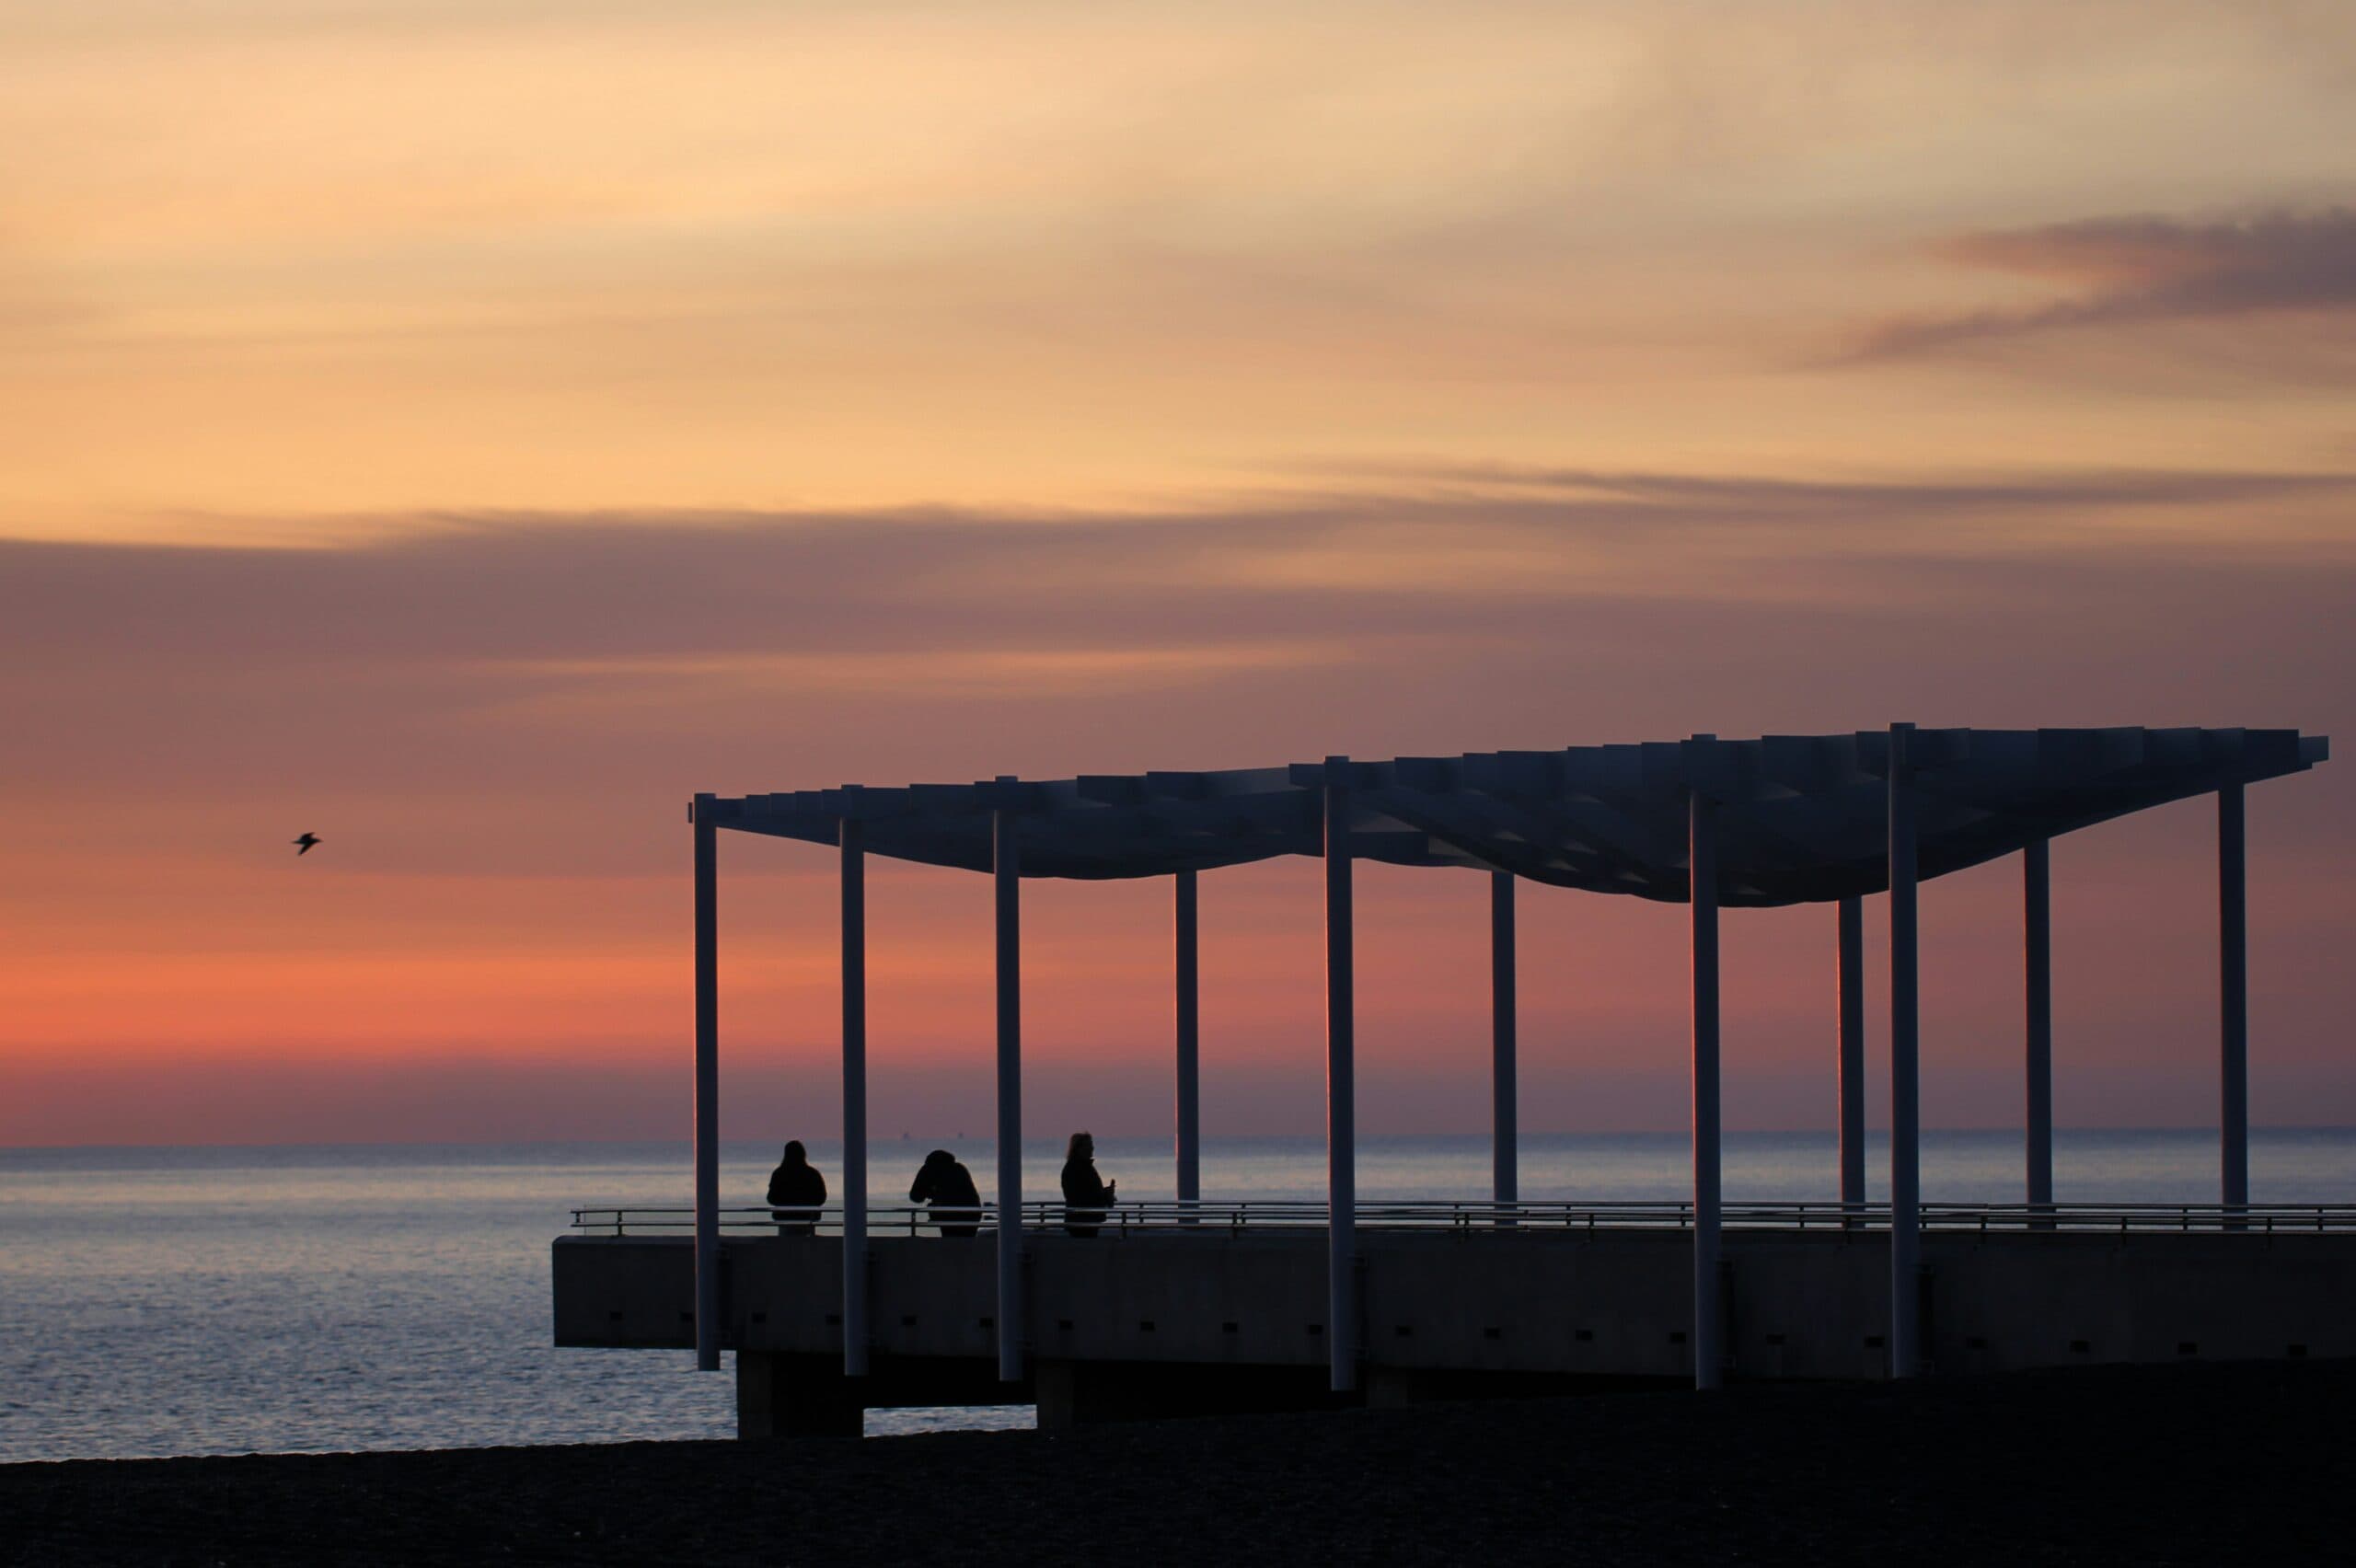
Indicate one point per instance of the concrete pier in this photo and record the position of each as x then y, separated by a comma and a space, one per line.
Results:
1185, 1309
1179, 1322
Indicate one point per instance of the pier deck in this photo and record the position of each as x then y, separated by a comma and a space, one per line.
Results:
1227, 1311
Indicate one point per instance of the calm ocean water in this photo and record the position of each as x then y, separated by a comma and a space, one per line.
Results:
203, 1302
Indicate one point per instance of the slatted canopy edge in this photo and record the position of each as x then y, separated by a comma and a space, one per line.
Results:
1800, 818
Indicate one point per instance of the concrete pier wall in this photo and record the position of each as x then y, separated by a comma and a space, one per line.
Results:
1446, 1313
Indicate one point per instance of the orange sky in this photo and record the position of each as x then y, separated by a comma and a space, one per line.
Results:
464, 431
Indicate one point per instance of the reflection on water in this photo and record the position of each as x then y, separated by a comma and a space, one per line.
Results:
184, 1301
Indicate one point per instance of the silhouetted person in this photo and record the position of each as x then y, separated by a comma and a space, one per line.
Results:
948, 1186
796, 1188
1085, 1193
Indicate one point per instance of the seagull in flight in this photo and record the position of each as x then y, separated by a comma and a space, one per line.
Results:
303, 846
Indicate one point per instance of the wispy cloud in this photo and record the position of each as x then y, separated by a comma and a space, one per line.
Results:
448, 677
2145, 269
1436, 550
1732, 498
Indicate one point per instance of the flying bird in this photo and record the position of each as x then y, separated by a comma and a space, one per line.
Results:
303, 845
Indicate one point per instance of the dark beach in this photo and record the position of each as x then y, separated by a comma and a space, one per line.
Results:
2173, 1465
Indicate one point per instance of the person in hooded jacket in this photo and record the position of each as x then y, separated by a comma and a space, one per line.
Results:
948, 1186
1085, 1193
796, 1188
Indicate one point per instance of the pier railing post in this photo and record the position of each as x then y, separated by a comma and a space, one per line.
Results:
1850, 1048
854, 955
2233, 995
1189, 1074
1702, 865
707, 1153
2037, 898
1341, 1088
1905, 1093
1007, 875
1505, 1183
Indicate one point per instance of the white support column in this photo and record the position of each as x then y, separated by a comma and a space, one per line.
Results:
2036, 926
854, 943
1341, 1088
1849, 1007
706, 1157
1701, 870
1505, 1121
1905, 1094
2232, 992
1189, 1085
1008, 879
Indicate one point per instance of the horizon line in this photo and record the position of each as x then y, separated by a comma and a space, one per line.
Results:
1208, 1141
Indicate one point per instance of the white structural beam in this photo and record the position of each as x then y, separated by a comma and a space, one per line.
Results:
1007, 874
1702, 860
1189, 1053
854, 955
1504, 1096
1341, 1088
706, 1154
2232, 992
2037, 926
1850, 1046
1905, 1093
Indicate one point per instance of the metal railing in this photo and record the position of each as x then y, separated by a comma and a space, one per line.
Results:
1213, 1216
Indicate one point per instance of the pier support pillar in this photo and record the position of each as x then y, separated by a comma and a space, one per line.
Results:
707, 1136
1505, 1183
1850, 1047
2233, 994
854, 955
2036, 899
1007, 874
1341, 1088
795, 1396
1189, 1074
1702, 863
1905, 1093
1090, 1393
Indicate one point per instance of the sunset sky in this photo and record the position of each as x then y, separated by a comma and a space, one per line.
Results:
466, 428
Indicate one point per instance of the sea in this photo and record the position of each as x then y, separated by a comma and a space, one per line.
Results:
161, 1301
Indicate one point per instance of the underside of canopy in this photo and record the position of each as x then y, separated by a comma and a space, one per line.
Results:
1801, 818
